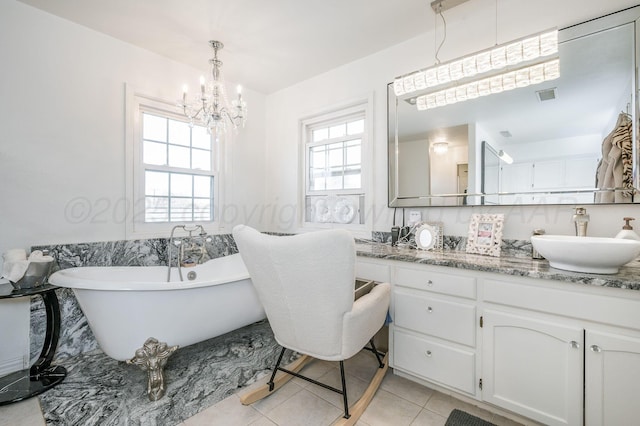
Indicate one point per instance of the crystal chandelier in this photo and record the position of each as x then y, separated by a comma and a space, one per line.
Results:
210, 107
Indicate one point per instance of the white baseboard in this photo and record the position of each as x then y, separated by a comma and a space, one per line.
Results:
8, 366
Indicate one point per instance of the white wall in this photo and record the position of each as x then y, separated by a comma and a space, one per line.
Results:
62, 115
576, 146
414, 178
470, 27
62, 124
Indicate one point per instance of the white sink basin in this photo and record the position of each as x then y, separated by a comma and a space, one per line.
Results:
586, 254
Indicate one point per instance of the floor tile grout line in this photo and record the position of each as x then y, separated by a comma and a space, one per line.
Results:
416, 416
433, 392
278, 424
282, 402
341, 407
401, 397
262, 416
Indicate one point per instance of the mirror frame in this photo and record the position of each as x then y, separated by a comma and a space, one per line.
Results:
629, 15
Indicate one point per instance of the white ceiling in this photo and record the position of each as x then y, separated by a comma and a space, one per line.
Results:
269, 45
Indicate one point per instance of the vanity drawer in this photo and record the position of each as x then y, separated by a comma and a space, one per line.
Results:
433, 361
437, 282
441, 318
372, 271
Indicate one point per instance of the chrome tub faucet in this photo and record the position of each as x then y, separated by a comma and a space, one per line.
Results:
187, 245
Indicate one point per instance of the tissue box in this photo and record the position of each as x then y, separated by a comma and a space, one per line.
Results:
36, 275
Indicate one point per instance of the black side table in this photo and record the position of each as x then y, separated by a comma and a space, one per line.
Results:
42, 376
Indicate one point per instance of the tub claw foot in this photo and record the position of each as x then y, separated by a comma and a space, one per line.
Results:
152, 357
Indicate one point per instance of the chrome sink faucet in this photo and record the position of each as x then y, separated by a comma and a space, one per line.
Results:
581, 220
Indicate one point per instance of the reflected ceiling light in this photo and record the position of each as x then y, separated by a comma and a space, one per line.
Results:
440, 147
519, 63
505, 157
210, 106
498, 83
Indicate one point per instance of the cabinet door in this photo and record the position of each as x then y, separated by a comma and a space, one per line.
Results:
533, 367
612, 379
516, 179
548, 174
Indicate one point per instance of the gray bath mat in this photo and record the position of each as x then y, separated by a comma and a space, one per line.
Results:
460, 418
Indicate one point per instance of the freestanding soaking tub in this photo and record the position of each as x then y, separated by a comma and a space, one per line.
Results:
125, 306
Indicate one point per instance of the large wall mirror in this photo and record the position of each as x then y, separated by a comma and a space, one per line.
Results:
541, 144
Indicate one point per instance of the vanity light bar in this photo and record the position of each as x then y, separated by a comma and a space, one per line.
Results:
509, 54
505, 157
522, 77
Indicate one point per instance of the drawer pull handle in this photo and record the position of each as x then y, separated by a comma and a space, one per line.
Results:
429, 283
574, 344
595, 348
429, 309
428, 353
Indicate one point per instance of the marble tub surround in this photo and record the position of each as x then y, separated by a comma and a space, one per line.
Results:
147, 252
101, 391
519, 265
514, 248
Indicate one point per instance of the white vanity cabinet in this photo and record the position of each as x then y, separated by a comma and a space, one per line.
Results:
561, 353
555, 352
434, 326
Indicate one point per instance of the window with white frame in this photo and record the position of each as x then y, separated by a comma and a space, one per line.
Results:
178, 174
173, 176
334, 145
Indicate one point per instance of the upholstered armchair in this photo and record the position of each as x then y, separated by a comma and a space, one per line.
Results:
306, 285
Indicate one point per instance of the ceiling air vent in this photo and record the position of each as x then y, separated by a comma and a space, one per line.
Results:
547, 94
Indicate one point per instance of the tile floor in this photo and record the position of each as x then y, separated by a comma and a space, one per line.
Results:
398, 402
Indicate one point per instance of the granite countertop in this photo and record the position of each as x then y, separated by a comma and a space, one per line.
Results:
627, 278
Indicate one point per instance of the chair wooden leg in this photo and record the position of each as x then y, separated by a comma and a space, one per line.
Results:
252, 395
358, 408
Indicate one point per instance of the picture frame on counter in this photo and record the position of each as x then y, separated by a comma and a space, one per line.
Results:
485, 234
429, 236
